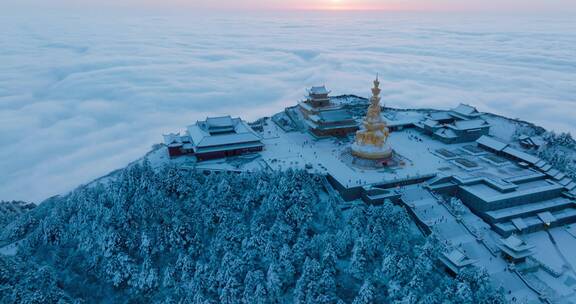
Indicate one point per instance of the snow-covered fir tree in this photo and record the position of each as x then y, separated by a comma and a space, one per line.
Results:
176, 236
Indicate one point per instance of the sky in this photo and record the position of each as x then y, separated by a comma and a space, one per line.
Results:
85, 93
537, 6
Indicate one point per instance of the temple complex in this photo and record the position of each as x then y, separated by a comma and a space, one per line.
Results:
324, 118
370, 141
461, 174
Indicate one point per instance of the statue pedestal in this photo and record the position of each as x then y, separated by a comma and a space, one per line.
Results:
395, 161
372, 152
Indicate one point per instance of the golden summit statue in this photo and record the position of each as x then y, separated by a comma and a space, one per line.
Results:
371, 139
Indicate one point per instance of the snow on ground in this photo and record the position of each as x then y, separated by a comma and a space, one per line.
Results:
295, 150
560, 258
544, 250
454, 234
298, 149
567, 245
421, 155
9, 250
501, 127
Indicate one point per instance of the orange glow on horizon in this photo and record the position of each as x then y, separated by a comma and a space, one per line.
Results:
287, 5
498, 6
347, 5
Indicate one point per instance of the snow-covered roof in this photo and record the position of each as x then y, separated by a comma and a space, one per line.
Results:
491, 143
439, 116
197, 133
402, 120
565, 181
531, 140
239, 132
433, 121
245, 145
172, 140
553, 172
455, 260
446, 133
520, 210
531, 159
559, 176
519, 223
318, 90
335, 116
227, 139
430, 123
347, 124
401, 123
489, 193
523, 137
541, 164
219, 122
328, 107
515, 243
458, 258
466, 110
470, 124
546, 217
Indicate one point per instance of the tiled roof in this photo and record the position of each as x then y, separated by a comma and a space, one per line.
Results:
318, 90
491, 143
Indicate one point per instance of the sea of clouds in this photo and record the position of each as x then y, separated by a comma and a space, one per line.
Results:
86, 93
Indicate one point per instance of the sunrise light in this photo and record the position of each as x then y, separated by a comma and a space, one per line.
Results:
347, 5
328, 5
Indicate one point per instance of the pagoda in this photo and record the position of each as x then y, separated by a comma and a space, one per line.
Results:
371, 139
324, 118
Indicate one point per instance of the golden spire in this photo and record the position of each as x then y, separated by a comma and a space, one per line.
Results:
373, 114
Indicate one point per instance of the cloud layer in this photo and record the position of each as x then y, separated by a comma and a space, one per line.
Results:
510, 6
83, 95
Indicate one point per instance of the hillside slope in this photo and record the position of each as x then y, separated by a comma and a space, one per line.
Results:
174, 236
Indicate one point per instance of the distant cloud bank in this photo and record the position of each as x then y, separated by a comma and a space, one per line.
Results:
83, 95
510, 6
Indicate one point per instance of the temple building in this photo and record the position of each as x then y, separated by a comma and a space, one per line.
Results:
540, 198
515, 249
455, 261
531, 142
371, 139
215, 137
465, 112
178, 145
461, 124
324, 118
